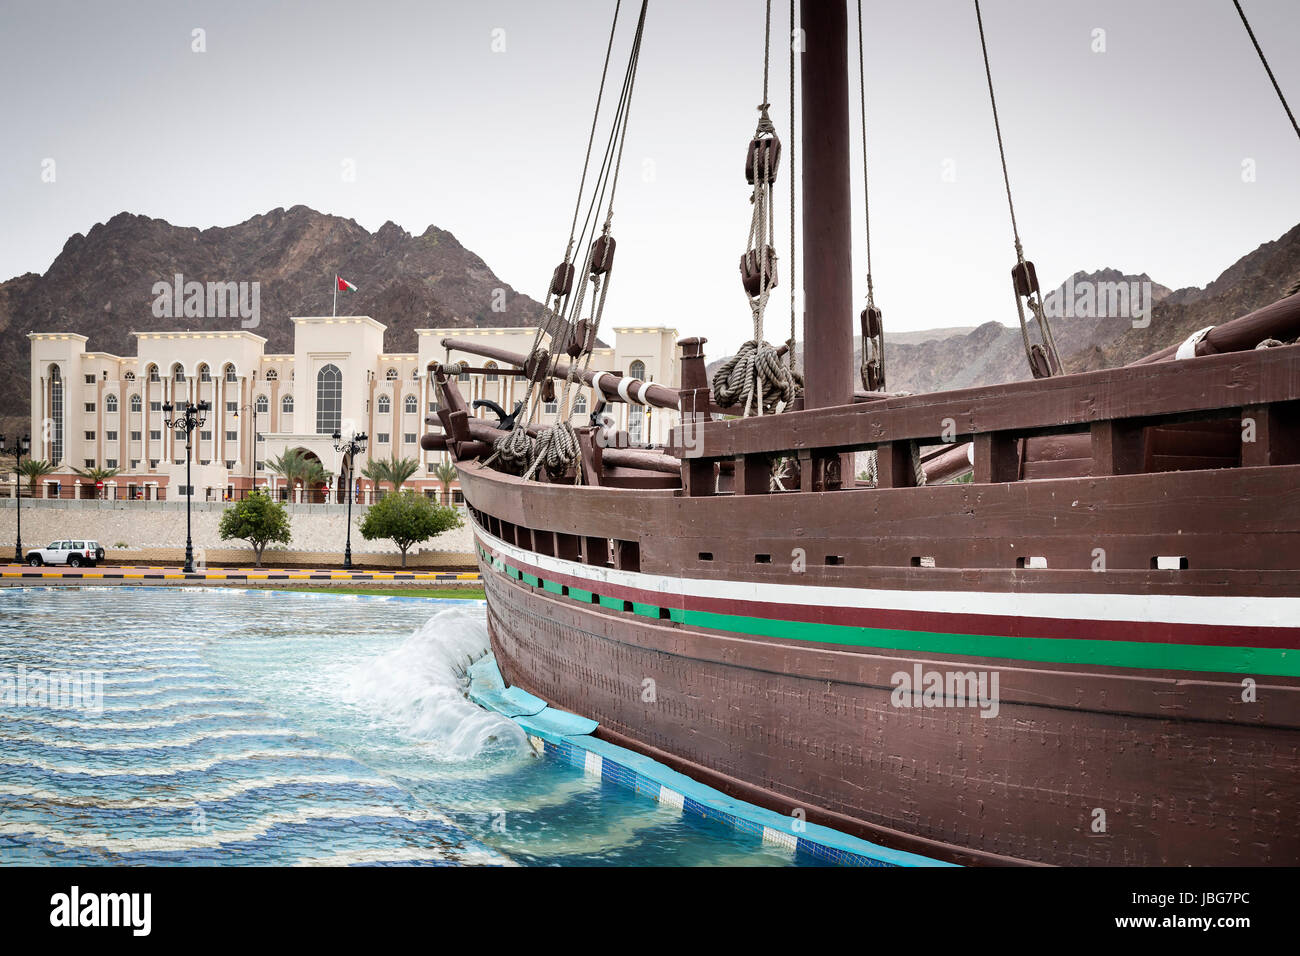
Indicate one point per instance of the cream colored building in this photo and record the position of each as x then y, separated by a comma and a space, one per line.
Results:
98, 410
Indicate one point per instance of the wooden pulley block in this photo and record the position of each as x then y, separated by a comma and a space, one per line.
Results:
874, 381
537, 366
562, 279
763, 158
751, 274
548, 390
583, 338
871, 322
1038, 363
1025, 278
602, 255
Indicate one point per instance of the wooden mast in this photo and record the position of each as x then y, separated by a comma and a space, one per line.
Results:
827, 222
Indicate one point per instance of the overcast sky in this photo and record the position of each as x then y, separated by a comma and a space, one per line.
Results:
1130, 158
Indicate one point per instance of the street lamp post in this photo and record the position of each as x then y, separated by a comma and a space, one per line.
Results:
351, 447
22, 446
189, 417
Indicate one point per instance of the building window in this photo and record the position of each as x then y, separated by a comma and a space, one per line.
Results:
153, 374
110, 436
580, 405
155, 435
56, 411
155, 406
110, 463
232, 436
410, 438
286, 404
635, 419
271, 375
90, 379
205, 436
329, 400
415, 374
384, 405
179, 374
130, 376
463, 377
551, 408
381, 438
135, 403
153, 462
230, 374
135, 463
261, 466
458, 497
492, 375
262, 404
230, 465
232, 406
205, 374
412, 404
261, 437
90, 463
110, 403
433, 408
391, 375
135, 436
90, 406
90, 436
636, 370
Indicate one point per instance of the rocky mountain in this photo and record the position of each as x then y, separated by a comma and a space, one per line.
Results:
101, 284
1092, 326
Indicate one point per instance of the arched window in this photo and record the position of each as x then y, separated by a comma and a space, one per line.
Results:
56, 412
385, 405
580, 405
230, 374
262, 405
412, 404
391, 375
178, 373
153, 373
463, 377
286, 404
110, 403
329, 399
635, 419
415, 374
135, 403
637, 370
271, 375
492, 375
205, 374
130, 376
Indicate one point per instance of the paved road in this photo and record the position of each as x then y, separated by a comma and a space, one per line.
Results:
156, 573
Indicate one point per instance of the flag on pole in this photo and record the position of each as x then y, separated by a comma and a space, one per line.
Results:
341, 285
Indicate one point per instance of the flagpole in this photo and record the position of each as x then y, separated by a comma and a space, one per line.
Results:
336, 296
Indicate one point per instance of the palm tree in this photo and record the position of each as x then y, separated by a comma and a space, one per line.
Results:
97, 476
395, 471
34, 470
296, 467
446, 474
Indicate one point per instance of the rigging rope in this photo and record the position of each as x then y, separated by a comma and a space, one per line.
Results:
794, 258
1044, 360
1267, 68
754, 377
872, 328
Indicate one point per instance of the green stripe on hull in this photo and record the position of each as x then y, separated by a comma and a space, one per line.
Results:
1053, 650
1268, 661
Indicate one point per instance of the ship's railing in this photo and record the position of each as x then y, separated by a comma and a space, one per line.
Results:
1110, 413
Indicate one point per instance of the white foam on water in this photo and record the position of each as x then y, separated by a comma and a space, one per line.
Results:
191, 798
163, 744
420, 687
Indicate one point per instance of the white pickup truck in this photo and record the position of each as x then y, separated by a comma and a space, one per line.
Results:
72, 553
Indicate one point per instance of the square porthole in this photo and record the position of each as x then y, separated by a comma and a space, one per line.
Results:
834, 559
706, 555
1031, 562
1168, 562
925, 561
762, 559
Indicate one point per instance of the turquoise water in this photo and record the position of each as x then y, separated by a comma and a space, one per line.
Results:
259, 727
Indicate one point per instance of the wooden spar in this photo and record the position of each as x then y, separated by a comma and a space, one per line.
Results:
827, 226
646, 393
1277, 320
